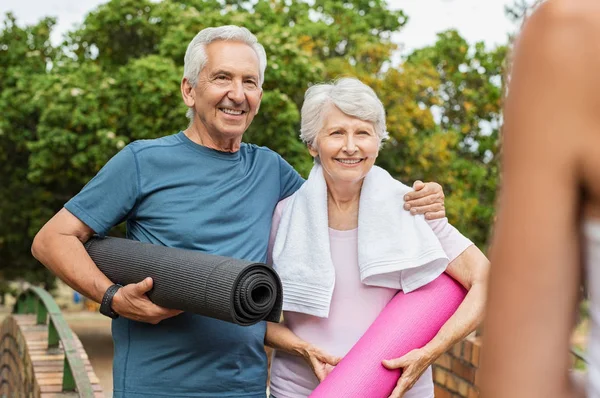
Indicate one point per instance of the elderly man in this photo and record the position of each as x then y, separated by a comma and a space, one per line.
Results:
201, 189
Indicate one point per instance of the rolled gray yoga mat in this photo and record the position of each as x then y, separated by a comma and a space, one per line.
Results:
237, 291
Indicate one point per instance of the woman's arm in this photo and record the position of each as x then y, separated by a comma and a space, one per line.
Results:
536, 273
470, 269
280, 337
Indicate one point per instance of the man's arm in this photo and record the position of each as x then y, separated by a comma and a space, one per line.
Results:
106, 200
59, 246
427, 198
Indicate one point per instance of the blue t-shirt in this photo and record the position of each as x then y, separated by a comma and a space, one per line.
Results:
175, 193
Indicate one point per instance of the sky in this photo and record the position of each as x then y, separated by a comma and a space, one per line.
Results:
476, 20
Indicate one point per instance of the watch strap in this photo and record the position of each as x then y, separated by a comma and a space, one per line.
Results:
106, 304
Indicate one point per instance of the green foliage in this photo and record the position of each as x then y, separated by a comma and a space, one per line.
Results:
468, 100
67, 109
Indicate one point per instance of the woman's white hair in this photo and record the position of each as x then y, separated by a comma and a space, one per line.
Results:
195, 55
350, 96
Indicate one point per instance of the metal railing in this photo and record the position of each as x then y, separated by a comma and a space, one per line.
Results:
36, 300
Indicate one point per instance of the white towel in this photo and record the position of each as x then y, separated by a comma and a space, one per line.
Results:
395, 249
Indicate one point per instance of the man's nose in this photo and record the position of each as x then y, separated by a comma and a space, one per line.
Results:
236, 93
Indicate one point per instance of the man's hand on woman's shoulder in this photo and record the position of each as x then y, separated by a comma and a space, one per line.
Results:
427, 198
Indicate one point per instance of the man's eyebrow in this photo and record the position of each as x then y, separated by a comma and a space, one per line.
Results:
221, 72
229, 74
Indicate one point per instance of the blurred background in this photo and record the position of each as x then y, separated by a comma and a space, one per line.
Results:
81, 79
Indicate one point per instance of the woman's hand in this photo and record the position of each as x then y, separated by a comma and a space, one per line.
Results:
320, 362
280, 337
413, 364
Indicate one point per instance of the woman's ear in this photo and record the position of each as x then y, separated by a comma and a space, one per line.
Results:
312, 150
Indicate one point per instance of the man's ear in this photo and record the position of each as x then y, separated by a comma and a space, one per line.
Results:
259, 102
187, 93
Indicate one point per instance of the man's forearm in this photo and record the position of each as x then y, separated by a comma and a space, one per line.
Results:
66, 257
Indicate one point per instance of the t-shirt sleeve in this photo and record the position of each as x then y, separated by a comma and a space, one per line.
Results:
274, 228
453, 242
109, 197
290, 180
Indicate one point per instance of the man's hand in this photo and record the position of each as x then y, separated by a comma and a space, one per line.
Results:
131, 302
320, 362
427, 198
413, 365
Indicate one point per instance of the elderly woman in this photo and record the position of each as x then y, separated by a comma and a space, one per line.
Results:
343, 125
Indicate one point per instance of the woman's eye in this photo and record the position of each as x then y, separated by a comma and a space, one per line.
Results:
364, 133
336, 132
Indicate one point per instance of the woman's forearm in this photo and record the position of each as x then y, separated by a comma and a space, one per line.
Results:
280, 337
471, 269
465, 320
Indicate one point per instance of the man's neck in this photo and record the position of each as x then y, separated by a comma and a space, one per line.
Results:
202, 137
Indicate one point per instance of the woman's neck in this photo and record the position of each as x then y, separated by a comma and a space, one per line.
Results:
342, 205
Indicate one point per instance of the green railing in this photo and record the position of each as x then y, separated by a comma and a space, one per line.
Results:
37, 301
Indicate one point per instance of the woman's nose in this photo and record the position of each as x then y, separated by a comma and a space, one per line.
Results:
349, 146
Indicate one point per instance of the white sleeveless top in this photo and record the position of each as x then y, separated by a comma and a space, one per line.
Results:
591, 230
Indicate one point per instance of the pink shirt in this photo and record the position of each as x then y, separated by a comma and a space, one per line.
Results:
354, 307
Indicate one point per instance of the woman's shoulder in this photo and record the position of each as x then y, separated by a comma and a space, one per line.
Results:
283, 203
568, 10
566, 22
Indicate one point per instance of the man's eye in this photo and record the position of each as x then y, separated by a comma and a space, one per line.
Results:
251, 82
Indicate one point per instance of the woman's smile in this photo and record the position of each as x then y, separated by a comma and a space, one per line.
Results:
349, 162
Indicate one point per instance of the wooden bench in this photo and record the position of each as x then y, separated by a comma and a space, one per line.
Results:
40, 356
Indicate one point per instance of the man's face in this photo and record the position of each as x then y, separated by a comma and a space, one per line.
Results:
228, 92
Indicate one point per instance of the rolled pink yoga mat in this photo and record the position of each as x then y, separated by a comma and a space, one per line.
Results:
408, 322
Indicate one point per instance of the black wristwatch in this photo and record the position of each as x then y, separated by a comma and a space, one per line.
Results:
106, 304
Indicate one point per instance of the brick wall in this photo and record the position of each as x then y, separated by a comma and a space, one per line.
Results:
455, 372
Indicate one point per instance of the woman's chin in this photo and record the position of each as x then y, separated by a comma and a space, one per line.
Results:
347, 177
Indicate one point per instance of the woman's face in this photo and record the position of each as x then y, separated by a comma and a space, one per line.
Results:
346, 146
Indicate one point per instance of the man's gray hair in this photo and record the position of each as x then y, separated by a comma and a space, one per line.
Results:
195, 55
350, 96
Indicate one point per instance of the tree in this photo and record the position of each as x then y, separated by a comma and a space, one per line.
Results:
24, 56
468, 104
68, 109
